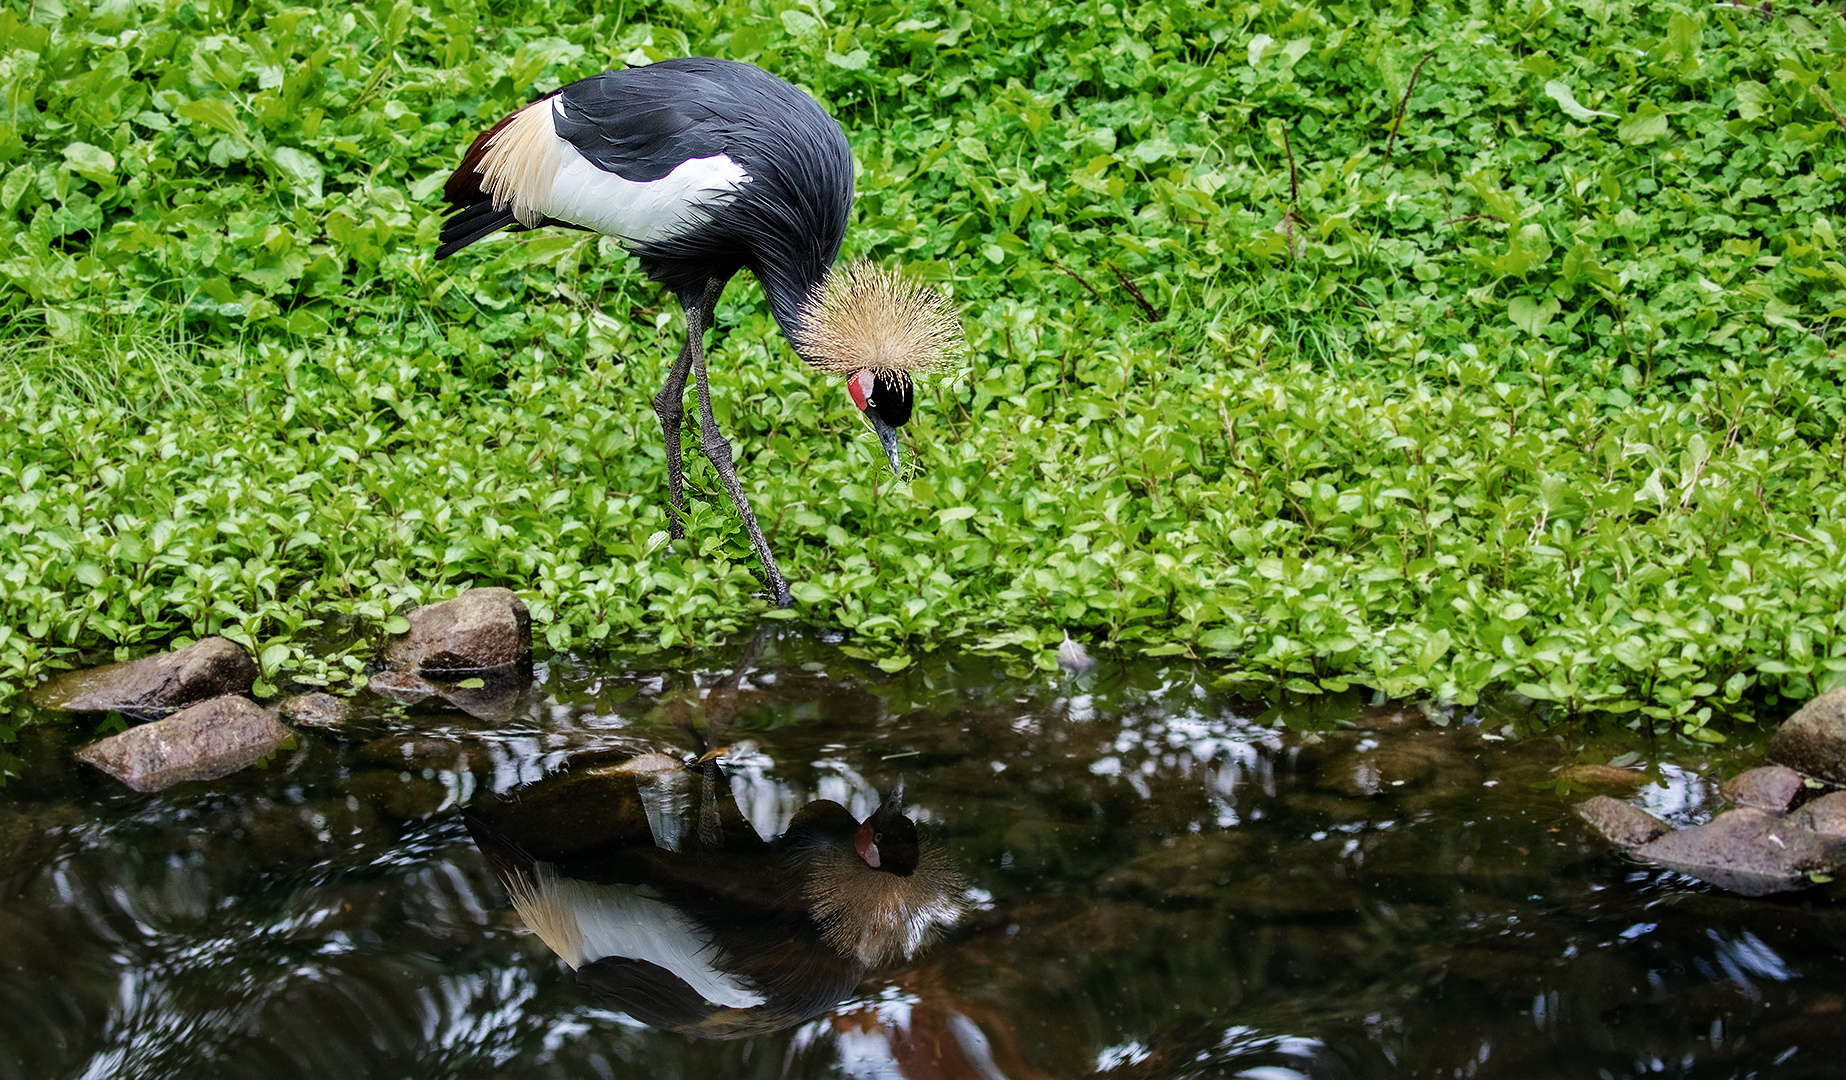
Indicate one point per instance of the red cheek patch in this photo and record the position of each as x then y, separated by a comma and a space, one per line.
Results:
865, 844
860, 387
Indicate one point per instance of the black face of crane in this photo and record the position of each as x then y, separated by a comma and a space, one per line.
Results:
886, 401
888, 840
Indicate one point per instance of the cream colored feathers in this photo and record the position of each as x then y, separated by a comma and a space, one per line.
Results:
876, 917
520, 162
547, 911
871, 318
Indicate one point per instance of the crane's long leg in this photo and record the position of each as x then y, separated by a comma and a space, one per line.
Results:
670, 408
719, 451
669, 403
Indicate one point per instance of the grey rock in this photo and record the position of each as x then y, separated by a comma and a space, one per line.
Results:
314, 710
402, 687
1825, 816
1601, 774
1747, 851
1772, 788
481, 630
211, 668
1620, 823
208, 740
499, 695
1813, 741
1366, 773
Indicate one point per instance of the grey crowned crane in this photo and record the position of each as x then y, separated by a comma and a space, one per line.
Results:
702, 167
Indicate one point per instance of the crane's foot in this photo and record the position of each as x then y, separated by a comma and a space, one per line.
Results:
779, 591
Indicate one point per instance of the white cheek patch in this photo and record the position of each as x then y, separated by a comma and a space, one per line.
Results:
860, 387
641, 212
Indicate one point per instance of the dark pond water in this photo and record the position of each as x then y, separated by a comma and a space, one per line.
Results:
1159, 880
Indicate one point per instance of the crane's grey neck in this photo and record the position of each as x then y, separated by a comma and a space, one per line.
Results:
788, 294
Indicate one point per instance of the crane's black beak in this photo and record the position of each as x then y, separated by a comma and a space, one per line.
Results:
887, 435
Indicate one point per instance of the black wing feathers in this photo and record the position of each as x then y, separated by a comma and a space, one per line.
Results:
472, 223
641, 123
640, 129
645, 991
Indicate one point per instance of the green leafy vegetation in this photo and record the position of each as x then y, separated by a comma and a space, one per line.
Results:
1416, 348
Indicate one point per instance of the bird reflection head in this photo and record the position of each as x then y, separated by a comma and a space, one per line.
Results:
888, 840
874, 912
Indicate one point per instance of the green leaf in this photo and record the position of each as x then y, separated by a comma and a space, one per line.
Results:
214, 113
1434, 649
1530, 315
301, 168
1150, 151
1647, 124
427, 185
809, 593
90, 162
799, 23
1567, 101
16, 185
1753, 99
1778, 313
397, 624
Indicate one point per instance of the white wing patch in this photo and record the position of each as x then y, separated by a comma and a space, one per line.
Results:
642, 212
539, 175
623, 920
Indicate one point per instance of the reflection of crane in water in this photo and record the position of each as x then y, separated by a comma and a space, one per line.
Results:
672, 909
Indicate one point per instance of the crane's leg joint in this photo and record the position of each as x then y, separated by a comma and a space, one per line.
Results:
668, 406
717, 448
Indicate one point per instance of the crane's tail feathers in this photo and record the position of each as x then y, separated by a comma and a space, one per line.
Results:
511, 164
503, 179
472, 223
463, 186
872, 318
549, 910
